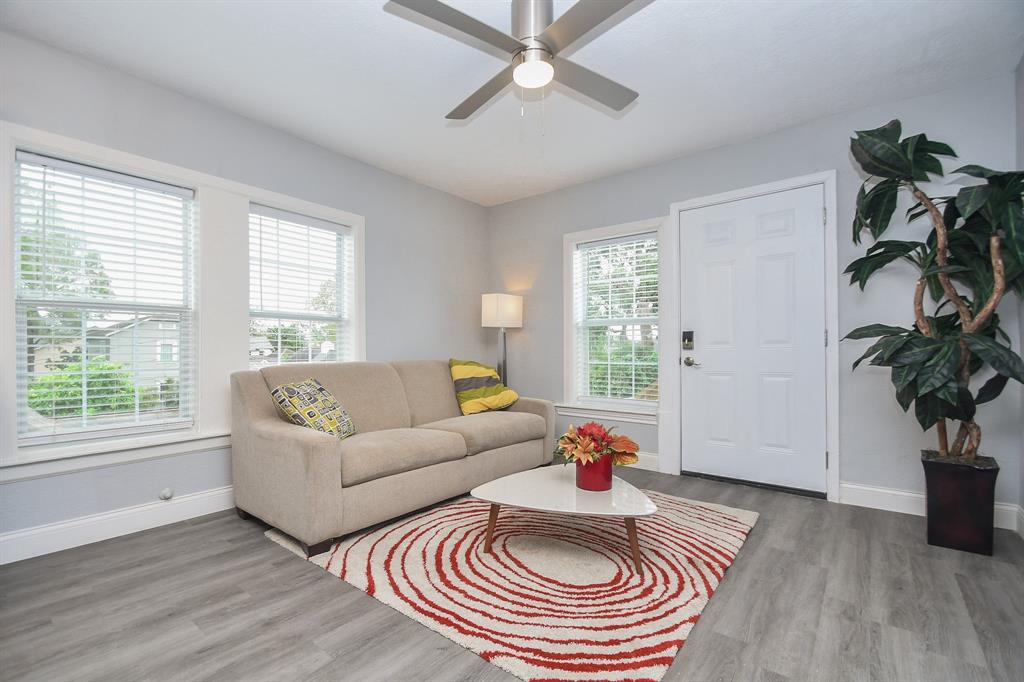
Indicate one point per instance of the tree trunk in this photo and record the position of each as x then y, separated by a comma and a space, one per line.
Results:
969, 433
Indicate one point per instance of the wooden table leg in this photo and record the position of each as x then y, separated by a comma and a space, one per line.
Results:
634, 544
491, 520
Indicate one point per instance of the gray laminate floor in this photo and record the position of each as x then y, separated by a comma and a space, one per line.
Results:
820, 591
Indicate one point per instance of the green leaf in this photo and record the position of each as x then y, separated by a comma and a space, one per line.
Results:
905, 396
1000, 358
933, 147
928, 410
915, 212
970, 199
944, 269
919, 350
872, 350
875, 208
881, 157
910, 144
960, 402
890, 132
939, 368
872, 330
879, 255
924, 164
977, 171
921, 161
883, 350
902, 376
1013, 225
992, 388
950, 214
879, 152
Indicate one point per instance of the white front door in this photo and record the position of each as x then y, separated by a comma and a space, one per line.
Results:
753, 294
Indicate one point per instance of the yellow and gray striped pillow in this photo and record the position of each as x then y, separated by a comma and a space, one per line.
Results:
478, 387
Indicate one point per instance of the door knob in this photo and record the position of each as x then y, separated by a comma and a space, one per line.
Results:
689, 361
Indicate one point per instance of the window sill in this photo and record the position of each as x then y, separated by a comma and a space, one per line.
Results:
38, 461
638, 414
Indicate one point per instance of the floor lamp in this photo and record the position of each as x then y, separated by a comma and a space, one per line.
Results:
504, 311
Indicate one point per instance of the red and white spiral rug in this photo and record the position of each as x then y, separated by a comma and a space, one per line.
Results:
558, 598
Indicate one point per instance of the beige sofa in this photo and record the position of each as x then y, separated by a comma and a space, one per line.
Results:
412, 447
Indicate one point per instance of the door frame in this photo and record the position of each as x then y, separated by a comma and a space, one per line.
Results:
670, 455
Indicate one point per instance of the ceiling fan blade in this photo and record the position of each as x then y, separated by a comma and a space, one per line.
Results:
581, 19
593, 85
482, 96
444, 19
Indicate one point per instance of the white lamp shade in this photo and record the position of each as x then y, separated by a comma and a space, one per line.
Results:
501, 310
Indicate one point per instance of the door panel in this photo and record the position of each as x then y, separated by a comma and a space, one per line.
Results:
753, 292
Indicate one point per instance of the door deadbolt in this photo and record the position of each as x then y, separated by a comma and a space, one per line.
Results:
689, 361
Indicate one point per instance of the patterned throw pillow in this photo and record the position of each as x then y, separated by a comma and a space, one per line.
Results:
307, 403
478, 387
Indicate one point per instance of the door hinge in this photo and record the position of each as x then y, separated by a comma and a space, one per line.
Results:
826, 336
826, 459
824, 215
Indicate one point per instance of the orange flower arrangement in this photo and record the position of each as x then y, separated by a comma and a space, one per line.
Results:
591, 442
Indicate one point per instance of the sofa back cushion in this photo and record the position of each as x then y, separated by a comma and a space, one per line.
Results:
371, 392
428, 389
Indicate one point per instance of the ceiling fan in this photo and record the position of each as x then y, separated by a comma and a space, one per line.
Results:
532, 48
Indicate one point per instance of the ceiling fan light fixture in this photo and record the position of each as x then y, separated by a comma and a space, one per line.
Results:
534, 69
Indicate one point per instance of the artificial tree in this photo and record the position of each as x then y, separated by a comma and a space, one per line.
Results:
972, 258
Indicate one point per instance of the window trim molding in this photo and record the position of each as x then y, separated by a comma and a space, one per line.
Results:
616, 412
210, 420
570, 241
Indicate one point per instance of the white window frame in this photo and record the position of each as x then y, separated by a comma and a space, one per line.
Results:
160, 351
318, 223
221, 310
637, 411
185, 308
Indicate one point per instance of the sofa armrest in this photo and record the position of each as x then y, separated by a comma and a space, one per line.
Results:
545, 409
291, 478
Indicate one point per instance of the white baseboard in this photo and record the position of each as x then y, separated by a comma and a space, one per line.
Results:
53, 537
1009, 516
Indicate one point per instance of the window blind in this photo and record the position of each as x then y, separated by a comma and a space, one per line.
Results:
615, 317
103, 301
301, 284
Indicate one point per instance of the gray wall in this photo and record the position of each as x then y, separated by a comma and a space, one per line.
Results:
424, 270
36, 501
879, 443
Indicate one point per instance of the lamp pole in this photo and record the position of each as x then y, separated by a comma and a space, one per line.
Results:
503, 365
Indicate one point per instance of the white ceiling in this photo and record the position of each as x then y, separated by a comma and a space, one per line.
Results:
368, 84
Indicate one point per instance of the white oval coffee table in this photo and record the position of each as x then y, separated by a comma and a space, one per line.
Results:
553, 489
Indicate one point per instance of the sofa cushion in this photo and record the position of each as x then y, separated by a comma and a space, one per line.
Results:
428, 390
489, 430
478, 387
370, 391
366, 456
308, 403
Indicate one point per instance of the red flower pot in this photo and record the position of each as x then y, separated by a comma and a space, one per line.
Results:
596, 475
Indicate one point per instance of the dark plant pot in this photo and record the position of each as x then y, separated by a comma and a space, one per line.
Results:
596, 475
961, 501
